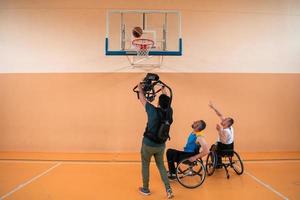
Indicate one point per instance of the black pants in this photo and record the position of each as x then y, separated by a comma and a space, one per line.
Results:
174, 155
221, 151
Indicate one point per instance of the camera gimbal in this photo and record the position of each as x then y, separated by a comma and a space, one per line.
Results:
151, 85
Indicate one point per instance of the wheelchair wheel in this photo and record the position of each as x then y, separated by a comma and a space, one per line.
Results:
236, 163
210, 163
190, 174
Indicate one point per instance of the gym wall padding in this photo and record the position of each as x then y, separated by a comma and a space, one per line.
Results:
98, 112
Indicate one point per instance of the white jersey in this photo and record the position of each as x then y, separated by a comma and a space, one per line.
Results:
229, 135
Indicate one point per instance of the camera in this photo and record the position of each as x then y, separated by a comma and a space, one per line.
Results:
149, 82
148, 86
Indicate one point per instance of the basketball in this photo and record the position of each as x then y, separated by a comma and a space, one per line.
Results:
137, 32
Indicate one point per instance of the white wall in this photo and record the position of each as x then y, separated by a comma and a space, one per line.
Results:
218, 36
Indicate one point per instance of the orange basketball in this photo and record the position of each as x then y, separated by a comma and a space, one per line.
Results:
137, 32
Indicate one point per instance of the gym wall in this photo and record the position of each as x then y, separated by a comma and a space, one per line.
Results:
60, 93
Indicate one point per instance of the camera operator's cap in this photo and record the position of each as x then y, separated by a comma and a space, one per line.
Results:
152, 77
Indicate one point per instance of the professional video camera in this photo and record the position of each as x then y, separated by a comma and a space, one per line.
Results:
151, 85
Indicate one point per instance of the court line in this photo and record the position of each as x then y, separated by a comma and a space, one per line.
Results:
29, 181
126, 161
28, 161
266, 185
66, 161
108, 162
74, 162
271, 161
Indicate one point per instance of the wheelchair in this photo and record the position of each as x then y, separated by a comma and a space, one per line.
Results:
190, 174
229, 158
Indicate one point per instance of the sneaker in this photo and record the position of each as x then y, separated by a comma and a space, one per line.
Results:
172, 177
219, 166
144, 191
170, 194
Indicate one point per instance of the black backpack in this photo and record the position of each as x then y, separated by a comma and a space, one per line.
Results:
163, 126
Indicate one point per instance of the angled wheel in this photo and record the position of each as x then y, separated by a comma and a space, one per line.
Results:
211, 163
190, 174
236, 163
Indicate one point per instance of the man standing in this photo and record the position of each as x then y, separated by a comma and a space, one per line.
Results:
151, 147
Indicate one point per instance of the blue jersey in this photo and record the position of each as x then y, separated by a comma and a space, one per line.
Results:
191, 145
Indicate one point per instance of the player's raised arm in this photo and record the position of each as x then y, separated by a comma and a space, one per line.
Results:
216, 111
142, 97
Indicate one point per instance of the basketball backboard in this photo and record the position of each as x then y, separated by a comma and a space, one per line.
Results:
163, 27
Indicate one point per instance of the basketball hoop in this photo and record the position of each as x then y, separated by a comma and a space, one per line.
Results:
142, 46
142, 59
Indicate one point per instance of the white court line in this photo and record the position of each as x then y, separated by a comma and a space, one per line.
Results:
152, 162
267, 186
74, 162
270, 161
29, 181
126, 161
28, 161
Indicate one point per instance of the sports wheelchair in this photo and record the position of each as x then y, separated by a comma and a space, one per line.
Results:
190, 174
223, 158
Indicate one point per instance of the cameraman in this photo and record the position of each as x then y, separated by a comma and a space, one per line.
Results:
151, 148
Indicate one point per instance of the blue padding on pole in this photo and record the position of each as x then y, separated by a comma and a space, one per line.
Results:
106, 46
180, 46
151, 53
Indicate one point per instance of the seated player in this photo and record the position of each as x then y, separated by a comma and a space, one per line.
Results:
225, 135
195, 148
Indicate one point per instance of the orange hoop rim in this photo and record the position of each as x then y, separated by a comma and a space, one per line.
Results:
142, 43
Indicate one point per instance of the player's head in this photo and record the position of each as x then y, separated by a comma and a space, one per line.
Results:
137, 32
227, 122
199, 125
164, 101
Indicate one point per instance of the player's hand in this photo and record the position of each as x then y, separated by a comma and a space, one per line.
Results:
163, 90
140, 87
193, 158
218, 127
211, 105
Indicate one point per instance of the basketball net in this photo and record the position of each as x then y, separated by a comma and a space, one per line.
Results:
142, 59
142, 46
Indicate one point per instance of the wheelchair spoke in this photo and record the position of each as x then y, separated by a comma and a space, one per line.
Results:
199, 174
182, 171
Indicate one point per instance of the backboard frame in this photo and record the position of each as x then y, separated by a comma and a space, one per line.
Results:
152, 52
